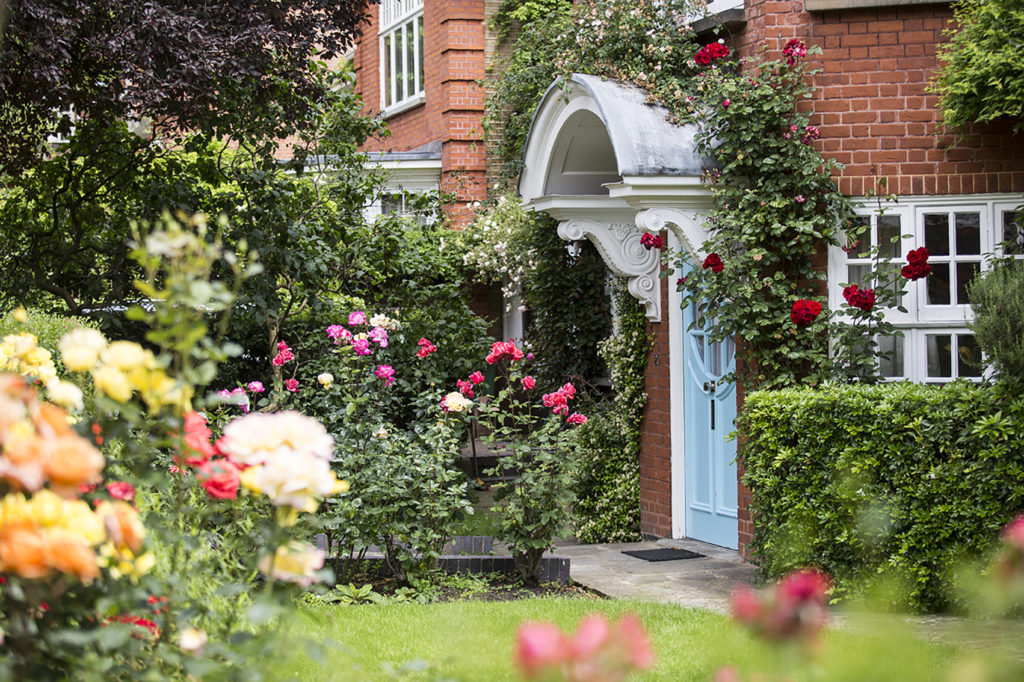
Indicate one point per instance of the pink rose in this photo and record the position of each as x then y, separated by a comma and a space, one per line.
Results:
539, 646
241, 399
284, 355
292, 385
528, 382
744, 604
576, 418
379, 335
591, 635
477, 377
387, 373
361, 346
638, 646
197, 439
356, 318
465, 388
335, 331
256, 386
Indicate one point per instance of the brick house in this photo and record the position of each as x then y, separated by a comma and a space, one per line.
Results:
421, 65
609, 167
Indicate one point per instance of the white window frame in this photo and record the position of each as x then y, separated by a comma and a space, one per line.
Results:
400, 18
922, 319
716, 6
416, 176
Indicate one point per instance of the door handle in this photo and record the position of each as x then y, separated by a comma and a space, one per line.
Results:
709, 386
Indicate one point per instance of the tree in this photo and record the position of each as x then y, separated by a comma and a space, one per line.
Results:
224, 69
982, 75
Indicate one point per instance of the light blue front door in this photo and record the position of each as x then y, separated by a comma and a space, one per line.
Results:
709, 459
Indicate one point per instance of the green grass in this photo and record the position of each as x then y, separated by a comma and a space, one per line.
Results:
473, 641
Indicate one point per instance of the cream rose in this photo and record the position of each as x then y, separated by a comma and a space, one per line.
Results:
80, 349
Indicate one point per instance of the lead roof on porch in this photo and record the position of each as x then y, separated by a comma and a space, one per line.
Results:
634, 138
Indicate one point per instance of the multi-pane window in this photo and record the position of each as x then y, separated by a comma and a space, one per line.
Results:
960, 235
401, 54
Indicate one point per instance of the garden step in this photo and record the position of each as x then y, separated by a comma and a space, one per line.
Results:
488, 456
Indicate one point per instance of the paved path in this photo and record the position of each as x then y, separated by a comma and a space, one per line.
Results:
702, 583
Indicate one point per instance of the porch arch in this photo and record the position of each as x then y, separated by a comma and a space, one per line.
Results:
608, 166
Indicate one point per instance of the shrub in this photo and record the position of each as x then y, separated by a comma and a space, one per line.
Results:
879, 483
982, 76
997, 298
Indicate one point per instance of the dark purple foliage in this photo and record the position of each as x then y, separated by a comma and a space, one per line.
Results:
222, 68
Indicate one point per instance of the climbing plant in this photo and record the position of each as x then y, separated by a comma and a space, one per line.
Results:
607, 507
775, 205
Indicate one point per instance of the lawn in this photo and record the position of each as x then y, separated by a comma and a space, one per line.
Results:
473, 641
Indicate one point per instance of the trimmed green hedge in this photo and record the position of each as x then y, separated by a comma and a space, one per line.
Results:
874, 484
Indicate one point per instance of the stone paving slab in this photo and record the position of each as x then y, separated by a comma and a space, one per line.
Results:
699, 583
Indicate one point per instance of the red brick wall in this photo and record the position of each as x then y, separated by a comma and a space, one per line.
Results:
875, 114
453, 111
655, 439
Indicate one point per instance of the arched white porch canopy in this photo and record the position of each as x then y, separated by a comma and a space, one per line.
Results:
609, 166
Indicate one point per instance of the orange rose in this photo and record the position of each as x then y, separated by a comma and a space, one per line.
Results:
123, 525
71, 462
52, 420
70, 553
22, 551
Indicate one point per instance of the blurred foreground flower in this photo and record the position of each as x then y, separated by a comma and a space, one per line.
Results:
794, 609
285, 456
596, 652
295, 562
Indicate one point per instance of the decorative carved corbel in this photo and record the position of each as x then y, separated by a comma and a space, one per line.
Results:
620, 247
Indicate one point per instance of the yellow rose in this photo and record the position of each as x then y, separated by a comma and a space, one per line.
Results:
126, 355
113, 382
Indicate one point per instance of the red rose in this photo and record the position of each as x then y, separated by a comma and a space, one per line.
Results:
859, 298
710, 53
652, 241
477, 377
808, 585
917, 265
714, 262
918, 255
121, 490
794, 48
804, 312
426, 348
219, 478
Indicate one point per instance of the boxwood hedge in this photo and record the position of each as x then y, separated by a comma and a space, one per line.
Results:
881, 484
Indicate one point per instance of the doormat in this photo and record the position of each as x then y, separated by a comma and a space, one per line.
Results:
666, 554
